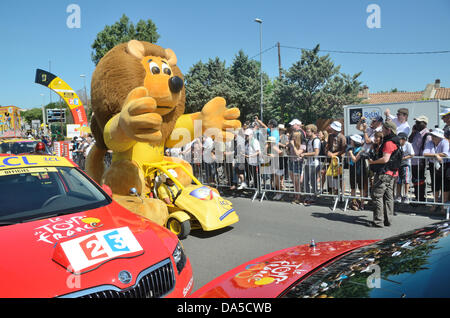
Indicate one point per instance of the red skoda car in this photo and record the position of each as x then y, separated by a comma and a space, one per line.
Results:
61, 235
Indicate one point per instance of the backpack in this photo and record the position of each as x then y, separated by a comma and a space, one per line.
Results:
395, 160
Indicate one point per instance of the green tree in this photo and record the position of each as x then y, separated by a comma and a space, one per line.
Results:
239, 84
120, 32
245, 81
314, 88
31, 114
206, 81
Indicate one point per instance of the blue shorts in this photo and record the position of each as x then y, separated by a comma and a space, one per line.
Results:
295, 166
404, 175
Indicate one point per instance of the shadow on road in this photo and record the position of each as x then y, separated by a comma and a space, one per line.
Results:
335, 216
207, 234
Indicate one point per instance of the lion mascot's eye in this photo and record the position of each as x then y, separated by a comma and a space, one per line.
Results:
154, 68
166, 69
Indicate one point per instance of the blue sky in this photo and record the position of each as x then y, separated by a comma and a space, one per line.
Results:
35, 32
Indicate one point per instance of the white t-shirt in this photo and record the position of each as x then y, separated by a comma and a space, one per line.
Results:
401, 127
442, 147
253, 148
208, 147
311, 145
407, 151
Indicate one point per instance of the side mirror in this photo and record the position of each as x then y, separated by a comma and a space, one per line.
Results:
107, 189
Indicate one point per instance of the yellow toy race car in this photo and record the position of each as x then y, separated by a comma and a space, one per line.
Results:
190, 207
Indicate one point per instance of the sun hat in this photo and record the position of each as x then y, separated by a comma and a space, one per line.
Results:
438, 133
403, 111
389, 124
422, 118
335, 125
295, 122
281, 126
445, 112
172, 172
378, 119
356, 138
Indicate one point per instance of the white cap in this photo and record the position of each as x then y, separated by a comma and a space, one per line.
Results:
335, 125
438, 133
280, 126
446, 111
248, 132
295, 122
172, 172
356, 138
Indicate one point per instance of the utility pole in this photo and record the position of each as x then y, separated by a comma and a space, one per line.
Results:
279, 59
260, 65
280, 77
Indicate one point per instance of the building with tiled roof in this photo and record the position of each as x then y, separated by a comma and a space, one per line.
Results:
431, 91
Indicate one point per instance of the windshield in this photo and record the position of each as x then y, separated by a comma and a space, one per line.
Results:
40, 192
415, 264
18, 147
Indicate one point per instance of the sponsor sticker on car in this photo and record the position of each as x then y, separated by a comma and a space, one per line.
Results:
89, 250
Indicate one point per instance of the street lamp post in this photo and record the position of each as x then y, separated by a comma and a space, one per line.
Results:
260, 63
43, 115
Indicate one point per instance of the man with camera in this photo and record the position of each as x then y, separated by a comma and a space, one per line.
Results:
369, 131
389, 158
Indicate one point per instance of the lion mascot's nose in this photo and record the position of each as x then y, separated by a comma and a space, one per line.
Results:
175, 84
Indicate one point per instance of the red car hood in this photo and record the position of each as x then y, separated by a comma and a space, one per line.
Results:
270, 275
38, 258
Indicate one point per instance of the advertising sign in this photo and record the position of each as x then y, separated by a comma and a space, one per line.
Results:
66, 92
10, 122
73, 130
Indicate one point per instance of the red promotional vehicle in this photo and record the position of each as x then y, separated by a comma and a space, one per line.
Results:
410, 265
63, 236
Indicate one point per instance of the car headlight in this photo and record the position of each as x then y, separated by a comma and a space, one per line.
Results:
179, 257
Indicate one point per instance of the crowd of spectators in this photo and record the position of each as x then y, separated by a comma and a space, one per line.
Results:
304, 156
80, 149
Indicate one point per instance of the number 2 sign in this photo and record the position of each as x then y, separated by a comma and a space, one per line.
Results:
89, 250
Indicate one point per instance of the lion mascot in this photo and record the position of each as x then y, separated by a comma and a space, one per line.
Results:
138, 103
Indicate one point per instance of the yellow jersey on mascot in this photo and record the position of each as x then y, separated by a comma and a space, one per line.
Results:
138, 103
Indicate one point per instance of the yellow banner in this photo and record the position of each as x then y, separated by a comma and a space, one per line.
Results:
12, 162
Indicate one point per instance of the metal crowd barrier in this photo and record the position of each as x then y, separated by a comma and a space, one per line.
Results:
307, 176
276, 175
426, 182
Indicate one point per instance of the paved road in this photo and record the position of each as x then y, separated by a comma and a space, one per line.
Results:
269, 226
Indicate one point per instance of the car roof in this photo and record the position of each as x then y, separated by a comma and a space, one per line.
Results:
29, 161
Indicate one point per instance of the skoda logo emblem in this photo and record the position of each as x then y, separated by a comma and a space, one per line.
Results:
125, 277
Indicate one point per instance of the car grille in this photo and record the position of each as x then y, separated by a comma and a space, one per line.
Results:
153, 282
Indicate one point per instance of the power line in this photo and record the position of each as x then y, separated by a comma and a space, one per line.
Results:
356, 52
262, 52
368, 52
